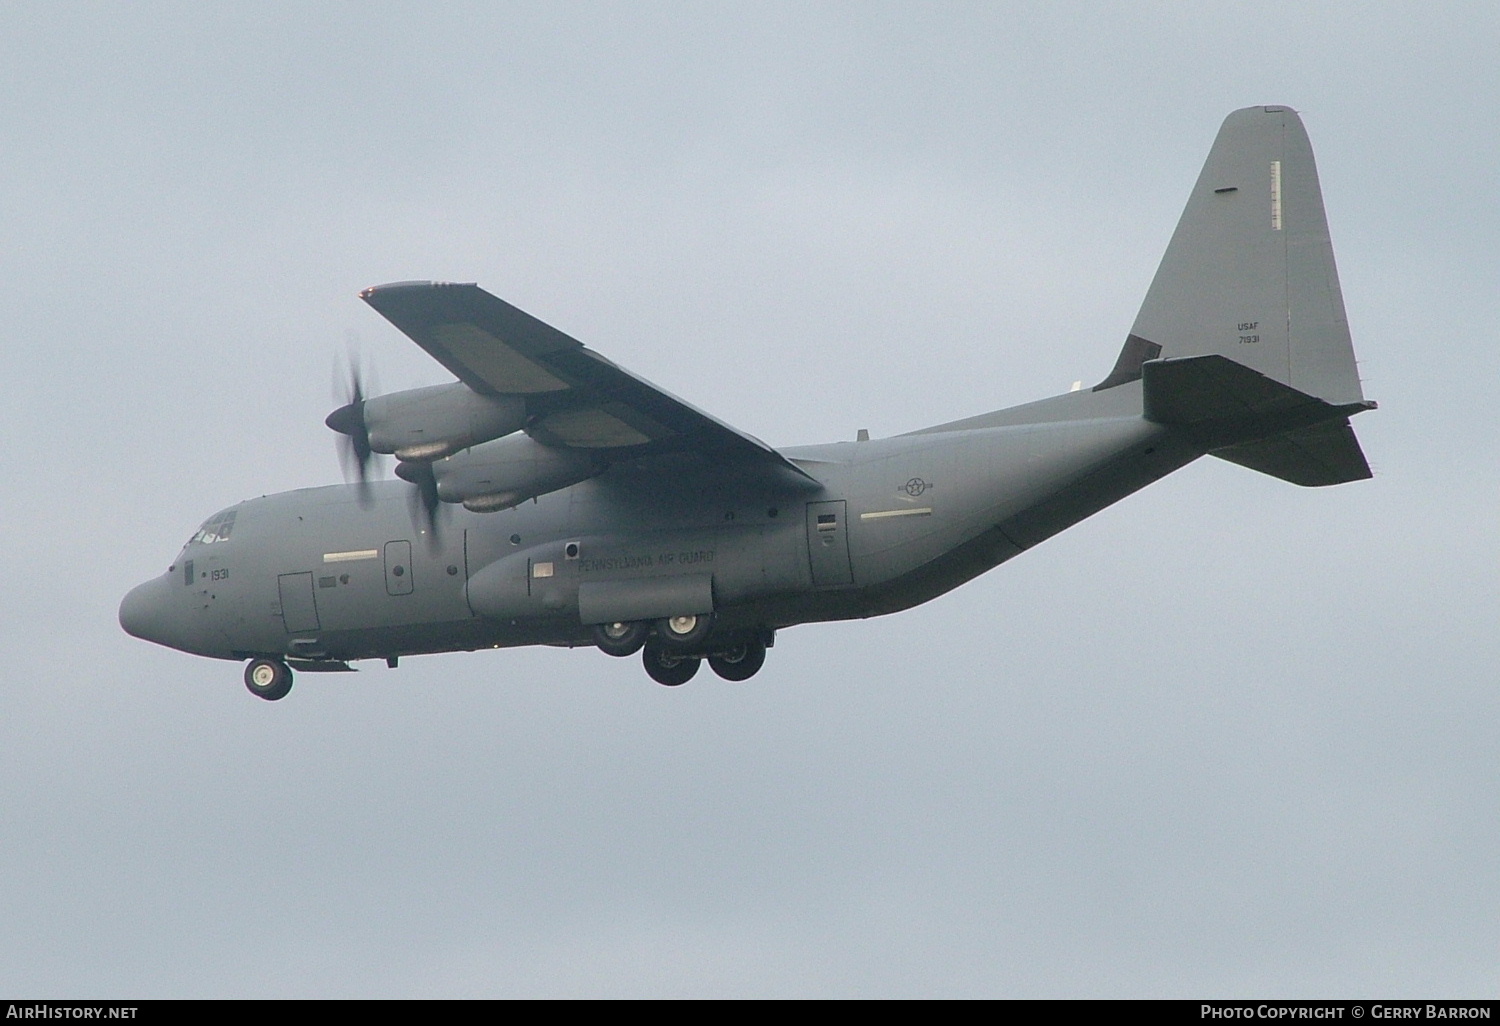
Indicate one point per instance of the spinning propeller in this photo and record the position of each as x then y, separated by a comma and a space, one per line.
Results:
361, 462
355, 454
424, 502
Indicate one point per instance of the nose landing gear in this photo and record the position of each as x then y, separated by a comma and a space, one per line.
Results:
270, 679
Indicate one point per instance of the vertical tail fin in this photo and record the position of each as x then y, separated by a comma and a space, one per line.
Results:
1249, 273
1248, 284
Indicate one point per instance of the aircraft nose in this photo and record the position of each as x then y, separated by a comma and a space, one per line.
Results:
143, 611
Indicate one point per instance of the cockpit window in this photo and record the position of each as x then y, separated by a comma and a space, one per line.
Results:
217, 529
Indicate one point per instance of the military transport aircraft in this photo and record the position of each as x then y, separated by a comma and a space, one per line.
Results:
549, 496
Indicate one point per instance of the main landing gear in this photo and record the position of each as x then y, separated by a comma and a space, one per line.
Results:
665, 666
270, 679
621, 639
672, 649
739, 662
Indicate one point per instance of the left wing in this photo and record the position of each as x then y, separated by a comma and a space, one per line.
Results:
575, 398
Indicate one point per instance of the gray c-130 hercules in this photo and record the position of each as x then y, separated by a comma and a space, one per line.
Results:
551, 497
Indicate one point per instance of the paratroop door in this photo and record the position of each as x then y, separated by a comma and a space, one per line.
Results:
828, 543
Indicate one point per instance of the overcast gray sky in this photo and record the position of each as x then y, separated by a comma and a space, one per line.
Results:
1228, 737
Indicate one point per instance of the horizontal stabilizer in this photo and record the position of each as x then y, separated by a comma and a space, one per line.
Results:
1247, 418
1324, 454
1200, 389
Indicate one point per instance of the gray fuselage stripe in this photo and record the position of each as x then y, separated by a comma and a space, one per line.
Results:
924, 511
351, 556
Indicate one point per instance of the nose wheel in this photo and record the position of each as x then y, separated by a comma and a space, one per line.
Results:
270, 679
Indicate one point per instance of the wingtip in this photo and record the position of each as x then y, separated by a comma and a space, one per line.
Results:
368, 293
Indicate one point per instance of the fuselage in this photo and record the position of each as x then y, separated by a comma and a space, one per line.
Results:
331, 574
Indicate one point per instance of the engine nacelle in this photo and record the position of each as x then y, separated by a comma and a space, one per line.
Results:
428, 423
506, 472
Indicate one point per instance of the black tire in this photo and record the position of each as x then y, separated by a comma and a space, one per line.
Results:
621, 639
667, 667
685, 631
740, 662
270, 679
